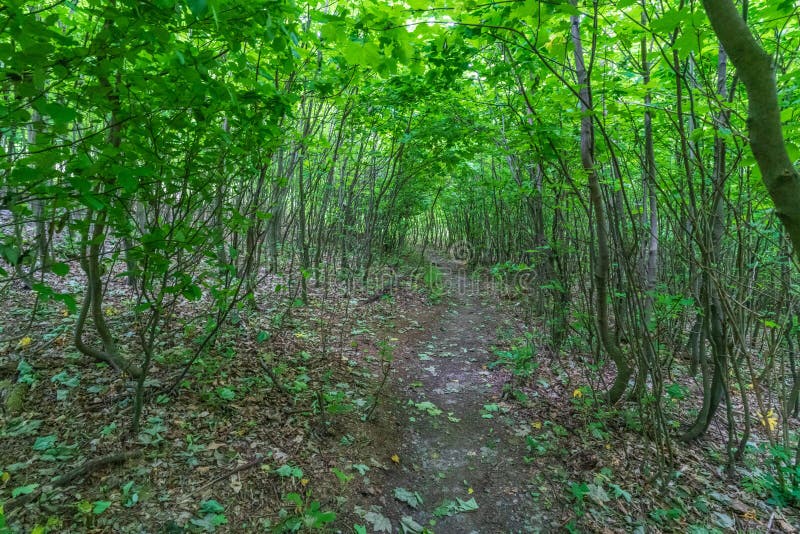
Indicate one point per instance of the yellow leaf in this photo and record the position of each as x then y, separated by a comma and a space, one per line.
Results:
5, 477
770, 420
537, 425
110, 311
395, 459
750, 515
24, 342
470, 491
304, 482
577, 394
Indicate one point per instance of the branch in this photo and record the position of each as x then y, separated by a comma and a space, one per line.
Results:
76, 473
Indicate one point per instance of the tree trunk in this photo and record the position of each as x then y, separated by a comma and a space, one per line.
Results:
756, 70
624, 370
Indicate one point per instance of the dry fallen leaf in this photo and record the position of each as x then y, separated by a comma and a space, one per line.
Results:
769, 420
395, 459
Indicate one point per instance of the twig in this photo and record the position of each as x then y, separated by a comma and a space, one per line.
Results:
274, 378
238, 469
78, 472
386, 290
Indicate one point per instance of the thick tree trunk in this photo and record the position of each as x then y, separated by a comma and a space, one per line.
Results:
755, 69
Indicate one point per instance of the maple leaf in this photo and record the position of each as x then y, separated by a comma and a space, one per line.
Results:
395, 459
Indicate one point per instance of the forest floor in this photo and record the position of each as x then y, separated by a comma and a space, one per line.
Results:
481, 451
457, 442
460, 451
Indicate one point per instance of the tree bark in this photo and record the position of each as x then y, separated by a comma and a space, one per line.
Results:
624, 369
757, 72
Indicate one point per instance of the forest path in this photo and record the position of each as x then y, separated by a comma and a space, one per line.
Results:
470, 450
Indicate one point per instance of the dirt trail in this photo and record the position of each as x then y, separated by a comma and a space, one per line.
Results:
470, 450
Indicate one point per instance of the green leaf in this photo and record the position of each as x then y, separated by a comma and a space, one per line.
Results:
449, 507
23, 490
226, 393
59, 269
198, 7
724, 521
409, 526
211, 506
100, 507
619, 492
343, 477
428, 407
444, 509
84, 507
598, 494
288, 470
10, 253
467, 506
59, 113
361, 468
380, 523
92, 202
22, 427
128, 182
294, 498
44, 443
192, 292
413, 499
568, 8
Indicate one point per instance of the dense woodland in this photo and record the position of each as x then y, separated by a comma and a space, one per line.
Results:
222, 218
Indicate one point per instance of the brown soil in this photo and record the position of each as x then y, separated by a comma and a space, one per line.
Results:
462, 452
